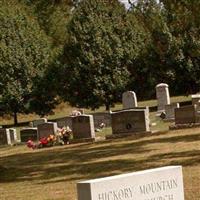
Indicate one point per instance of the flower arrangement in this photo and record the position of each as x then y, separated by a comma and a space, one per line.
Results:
62, 137
47, 141
31, 144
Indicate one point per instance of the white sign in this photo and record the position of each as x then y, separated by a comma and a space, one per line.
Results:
164, 183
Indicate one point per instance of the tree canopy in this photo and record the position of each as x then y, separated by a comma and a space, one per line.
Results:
89, 52
103, 41
172, 55
24, 56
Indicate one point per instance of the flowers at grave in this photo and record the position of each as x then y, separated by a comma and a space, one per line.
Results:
64, 135
43, 141
47, 141
31, 144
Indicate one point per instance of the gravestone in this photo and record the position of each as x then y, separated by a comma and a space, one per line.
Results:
162, 95
8, 136
65, 121
170, 111
164, 183
101, 117
13, 135
186, 115
37, 122
129, 100
4, 136
46, 129
198, 108
130, 121
195, 98
28, 134
83, 127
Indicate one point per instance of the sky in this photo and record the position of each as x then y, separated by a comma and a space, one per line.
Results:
127, 5
125, 2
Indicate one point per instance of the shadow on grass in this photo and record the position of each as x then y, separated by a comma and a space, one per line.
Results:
86, 161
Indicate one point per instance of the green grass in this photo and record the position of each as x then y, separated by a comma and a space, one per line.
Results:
52, 173
64, 109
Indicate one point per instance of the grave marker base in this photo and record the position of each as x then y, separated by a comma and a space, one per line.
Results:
184, 126
169, 120
136, 135
83, 140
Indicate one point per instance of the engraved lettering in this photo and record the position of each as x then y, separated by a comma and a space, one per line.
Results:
121, 194
101, 196
158, 186
115, 195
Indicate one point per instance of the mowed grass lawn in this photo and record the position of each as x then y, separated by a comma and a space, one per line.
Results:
52, 173
65, 109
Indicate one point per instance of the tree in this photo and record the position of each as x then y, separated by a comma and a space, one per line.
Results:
183, 20
53, 16
24, 56
149, 68
103, 41
172, 53
44, 96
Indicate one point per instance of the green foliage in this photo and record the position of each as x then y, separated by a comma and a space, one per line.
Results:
53, 17
45, 91
151, 68
24, 56
183, 20
103, 41
173, 51
88, 52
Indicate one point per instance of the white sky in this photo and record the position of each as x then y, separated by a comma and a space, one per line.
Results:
125, 3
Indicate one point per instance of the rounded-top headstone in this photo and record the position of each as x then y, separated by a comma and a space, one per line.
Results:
162, 94
162, 85
129, 100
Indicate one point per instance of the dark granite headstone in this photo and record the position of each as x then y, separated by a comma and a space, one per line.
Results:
130, 121
46, 129
28, 134
83, 127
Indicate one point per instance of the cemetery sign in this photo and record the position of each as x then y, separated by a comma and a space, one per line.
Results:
164, 183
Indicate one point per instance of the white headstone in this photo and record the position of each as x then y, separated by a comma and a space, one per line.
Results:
162, 94
198, 107
170, 110
8, 136
164, 183
195, 98
129, 100
13, 135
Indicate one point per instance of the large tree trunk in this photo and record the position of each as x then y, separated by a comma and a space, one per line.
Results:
15, 118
